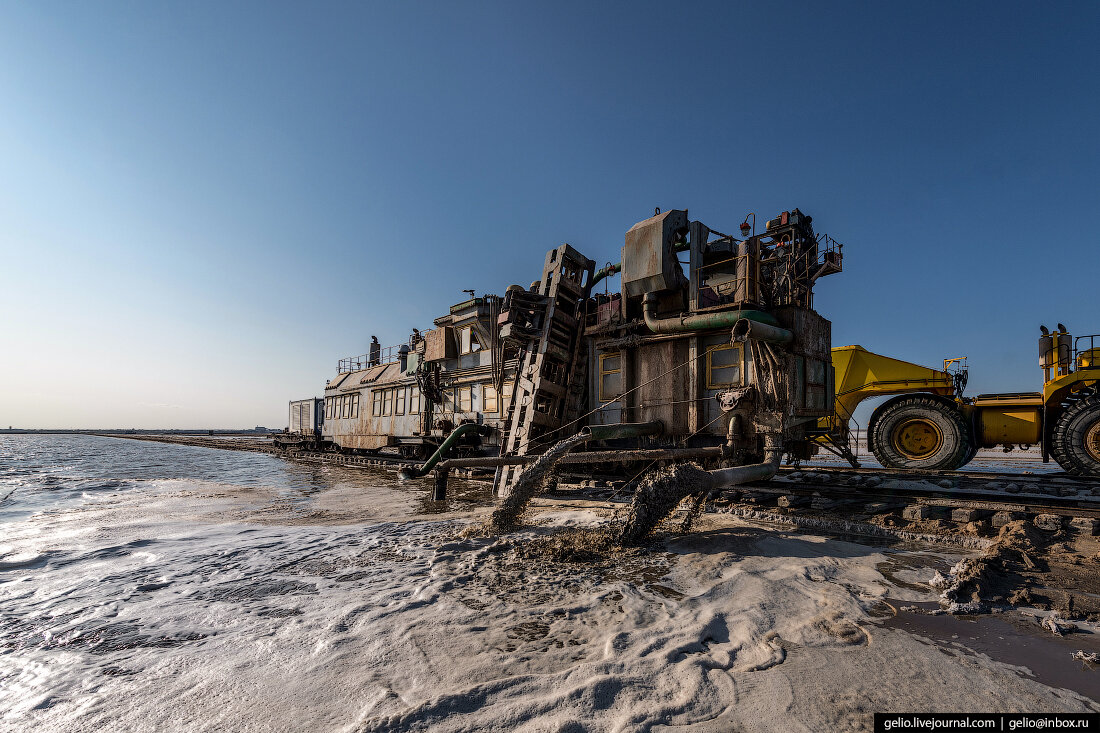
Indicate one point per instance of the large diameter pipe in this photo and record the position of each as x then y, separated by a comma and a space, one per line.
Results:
443, 470
410, 472
622, 430
603, 456
700, 321
746, 329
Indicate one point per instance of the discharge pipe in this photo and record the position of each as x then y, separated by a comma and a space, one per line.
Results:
410, 472
724, 477
621, 430
701, 321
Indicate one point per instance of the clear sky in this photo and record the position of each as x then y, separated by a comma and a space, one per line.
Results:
203, 206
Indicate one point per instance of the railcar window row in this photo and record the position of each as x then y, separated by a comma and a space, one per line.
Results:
465, 398
395, 401
344, 406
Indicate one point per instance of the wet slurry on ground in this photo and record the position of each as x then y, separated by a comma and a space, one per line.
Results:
157, 587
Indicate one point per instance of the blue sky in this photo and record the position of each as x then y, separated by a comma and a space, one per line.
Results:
204, 205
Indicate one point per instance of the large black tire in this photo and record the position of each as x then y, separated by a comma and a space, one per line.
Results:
921, 432
1075, 442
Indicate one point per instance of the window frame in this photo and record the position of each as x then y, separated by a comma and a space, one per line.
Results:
603, 372
464, 398
489, 397
467, 335
737, 364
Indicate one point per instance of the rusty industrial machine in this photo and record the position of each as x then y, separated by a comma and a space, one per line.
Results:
928, 423
710, 351
719, 359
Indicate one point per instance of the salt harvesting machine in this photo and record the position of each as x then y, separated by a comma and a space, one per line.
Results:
719, 359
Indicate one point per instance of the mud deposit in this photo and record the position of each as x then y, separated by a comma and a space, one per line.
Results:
1026, 566
170, 588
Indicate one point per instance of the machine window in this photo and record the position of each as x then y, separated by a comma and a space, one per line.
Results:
723, 366
355, 405
468, 341
414, 400
611, 376
375, 403
465, 400
489, 401
387, 402
399, 401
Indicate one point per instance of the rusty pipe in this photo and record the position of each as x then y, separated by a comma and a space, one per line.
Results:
603, 456
443, 468
724, 477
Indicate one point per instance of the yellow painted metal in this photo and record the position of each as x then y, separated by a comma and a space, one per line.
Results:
1009, 419
859, 374
1089, 359
1059, 387
917, 438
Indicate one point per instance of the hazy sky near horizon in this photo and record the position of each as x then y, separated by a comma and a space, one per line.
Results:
203, 206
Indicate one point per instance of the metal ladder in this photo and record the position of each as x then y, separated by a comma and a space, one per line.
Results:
550, 383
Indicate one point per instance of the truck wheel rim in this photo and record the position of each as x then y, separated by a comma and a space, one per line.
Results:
1092, 440
917, 438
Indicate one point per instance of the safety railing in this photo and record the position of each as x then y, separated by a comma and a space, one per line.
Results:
384, 355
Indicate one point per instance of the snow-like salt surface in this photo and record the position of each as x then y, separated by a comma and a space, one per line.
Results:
185, 605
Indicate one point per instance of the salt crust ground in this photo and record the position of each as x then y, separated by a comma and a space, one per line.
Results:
172, 612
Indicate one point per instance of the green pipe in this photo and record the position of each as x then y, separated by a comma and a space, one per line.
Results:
409, 472
746, 329
622, 430
700, 321
605, 272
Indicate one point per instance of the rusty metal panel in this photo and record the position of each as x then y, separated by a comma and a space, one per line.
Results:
663, 396
440, 344
648, 259
808, 368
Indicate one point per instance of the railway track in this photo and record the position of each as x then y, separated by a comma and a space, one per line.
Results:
960, 496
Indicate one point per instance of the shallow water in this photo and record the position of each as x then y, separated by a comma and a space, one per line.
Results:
1013, 638
155, 587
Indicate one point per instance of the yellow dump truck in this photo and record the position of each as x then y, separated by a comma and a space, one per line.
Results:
928, 424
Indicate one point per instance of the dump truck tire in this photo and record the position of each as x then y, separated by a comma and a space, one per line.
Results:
1075, 442
921, 432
